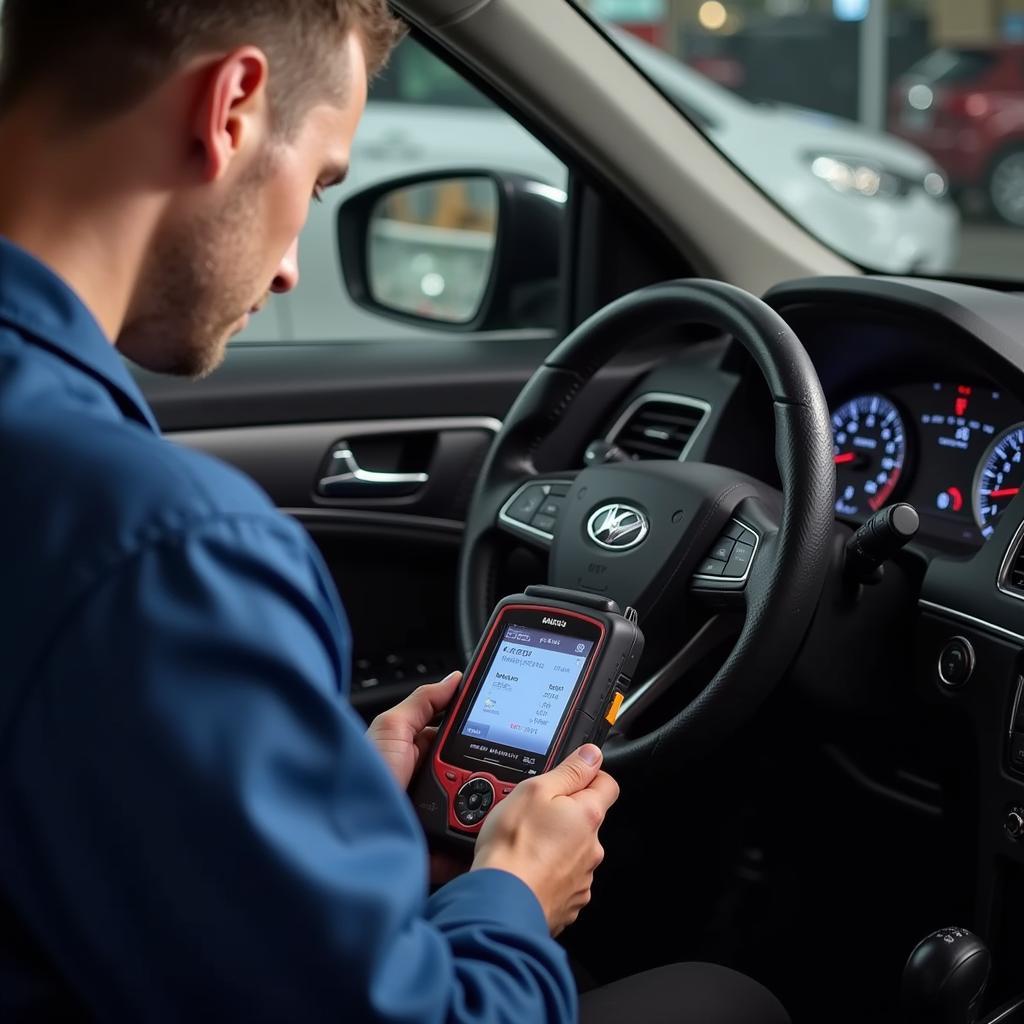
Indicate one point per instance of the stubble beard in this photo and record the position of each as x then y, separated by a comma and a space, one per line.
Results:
202, 278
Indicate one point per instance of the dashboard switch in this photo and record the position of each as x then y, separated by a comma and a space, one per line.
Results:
956, 663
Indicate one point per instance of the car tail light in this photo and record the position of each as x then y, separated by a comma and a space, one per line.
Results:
963, 106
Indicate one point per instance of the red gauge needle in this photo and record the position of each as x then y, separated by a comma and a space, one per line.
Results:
845, 457
1004, 492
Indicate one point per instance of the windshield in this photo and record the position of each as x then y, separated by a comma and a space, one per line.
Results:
873, 125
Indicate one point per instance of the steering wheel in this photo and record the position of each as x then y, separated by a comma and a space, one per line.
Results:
670, 515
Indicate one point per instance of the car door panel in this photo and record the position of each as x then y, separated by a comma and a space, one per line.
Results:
291, 462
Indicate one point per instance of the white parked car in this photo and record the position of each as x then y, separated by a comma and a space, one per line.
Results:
874, 198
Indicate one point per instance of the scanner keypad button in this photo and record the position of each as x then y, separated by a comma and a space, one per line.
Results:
474, 800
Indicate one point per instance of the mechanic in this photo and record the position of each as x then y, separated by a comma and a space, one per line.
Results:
195, 824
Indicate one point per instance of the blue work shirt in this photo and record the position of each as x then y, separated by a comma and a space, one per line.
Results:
193, 824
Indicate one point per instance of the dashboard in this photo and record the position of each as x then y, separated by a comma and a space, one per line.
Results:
916, 680
924, 382
925, 390
953, 449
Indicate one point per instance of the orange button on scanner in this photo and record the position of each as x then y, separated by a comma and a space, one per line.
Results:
613, 710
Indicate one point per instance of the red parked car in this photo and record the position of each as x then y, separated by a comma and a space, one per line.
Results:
966, 107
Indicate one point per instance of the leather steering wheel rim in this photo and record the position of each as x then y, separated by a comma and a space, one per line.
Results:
782, 597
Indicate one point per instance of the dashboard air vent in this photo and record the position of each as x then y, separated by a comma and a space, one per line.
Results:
1011, 574
659, 427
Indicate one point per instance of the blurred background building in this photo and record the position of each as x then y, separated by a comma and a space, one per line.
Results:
808, 51
944, 75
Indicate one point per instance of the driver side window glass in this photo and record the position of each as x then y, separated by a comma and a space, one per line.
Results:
415, 75
422, 115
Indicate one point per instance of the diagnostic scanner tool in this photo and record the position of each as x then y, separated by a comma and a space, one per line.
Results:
549, 675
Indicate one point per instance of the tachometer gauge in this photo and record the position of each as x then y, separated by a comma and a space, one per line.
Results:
999, 477
869, 447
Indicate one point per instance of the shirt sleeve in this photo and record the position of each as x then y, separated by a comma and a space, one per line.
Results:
197, 827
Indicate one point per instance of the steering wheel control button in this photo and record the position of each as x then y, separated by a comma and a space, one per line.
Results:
729, 560
526, 506
956, 663
711, 567
546, 524
1013, 824
552, 507
722, 551
739, 562
734, 530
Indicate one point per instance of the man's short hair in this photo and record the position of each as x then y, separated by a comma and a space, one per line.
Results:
101, 57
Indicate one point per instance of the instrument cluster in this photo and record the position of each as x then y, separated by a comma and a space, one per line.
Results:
953, 450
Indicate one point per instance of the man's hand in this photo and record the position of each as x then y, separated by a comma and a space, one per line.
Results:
403, 735
546, 834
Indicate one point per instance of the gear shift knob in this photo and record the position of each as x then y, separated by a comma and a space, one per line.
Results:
944, 979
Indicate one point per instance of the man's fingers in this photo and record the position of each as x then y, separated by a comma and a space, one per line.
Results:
425, 703
424, 740
600, 794
575, 773
440, 694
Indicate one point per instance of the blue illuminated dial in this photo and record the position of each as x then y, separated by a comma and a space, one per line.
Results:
1000, 474
869, 445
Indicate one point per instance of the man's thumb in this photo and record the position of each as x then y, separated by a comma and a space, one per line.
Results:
577, 771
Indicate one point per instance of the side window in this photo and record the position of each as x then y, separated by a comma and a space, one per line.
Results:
415, 75
422, 115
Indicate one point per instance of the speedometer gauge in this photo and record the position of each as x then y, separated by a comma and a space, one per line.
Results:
869, 448
999, 478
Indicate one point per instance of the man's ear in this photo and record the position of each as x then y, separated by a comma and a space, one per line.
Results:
233, 112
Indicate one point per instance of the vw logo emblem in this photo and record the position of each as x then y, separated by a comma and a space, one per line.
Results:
618, 527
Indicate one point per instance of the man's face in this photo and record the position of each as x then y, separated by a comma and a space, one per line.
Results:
216, 260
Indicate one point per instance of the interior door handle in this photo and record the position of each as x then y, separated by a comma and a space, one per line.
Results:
345, 478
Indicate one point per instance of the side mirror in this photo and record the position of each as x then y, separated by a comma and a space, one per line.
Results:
469, 251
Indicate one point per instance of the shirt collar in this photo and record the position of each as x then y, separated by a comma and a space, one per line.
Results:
41, 307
